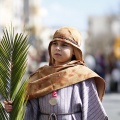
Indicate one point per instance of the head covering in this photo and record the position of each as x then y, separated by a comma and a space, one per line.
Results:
69, 35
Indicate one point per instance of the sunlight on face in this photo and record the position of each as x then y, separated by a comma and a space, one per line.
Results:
62, 52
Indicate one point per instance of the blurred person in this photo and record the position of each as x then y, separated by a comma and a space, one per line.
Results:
44, 59
90, 62
108, 82
32, 60
118, 63
111, 62
44, 56
66, 89
115, 75
100, 64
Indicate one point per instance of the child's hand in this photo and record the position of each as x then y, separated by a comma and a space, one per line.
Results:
8, 106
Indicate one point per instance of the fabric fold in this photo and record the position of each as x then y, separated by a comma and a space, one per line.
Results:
50, 78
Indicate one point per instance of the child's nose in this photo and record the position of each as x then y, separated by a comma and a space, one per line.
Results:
58, 47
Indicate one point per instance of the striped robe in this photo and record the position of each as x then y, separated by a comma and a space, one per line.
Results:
80, 97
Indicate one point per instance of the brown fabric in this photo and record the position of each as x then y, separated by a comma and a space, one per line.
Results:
50, 78
69, 35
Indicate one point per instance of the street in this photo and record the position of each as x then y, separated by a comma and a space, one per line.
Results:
111, 103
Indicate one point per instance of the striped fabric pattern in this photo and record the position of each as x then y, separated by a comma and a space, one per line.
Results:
80, 97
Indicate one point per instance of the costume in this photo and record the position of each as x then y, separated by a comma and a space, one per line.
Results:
79, 90
79, 100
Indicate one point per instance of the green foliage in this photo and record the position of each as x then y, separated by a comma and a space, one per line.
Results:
13, 63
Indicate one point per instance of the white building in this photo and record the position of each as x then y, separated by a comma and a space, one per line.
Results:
102, 32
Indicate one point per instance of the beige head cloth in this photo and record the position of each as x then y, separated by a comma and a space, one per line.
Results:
69, 35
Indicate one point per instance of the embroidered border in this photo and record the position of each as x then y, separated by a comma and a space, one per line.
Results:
67, 39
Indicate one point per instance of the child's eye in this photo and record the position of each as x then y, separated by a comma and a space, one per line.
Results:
54, 43
64, 45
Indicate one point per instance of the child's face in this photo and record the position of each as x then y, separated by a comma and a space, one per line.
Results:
61, 52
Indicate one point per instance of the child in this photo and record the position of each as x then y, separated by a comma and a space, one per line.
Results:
66, 89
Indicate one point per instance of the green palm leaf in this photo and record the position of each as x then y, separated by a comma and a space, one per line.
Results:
13, 63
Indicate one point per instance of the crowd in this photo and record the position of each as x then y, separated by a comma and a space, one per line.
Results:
108, 68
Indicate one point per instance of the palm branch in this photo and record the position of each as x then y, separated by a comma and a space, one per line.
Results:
13, 64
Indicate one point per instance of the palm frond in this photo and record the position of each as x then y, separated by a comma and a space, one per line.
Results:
3, 114
13, 63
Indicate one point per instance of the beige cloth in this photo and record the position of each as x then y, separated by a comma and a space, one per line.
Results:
50, 78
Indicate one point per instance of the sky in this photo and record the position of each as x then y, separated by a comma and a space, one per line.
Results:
76, 12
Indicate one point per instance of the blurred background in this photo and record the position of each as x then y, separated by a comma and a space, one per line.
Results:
98, 22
